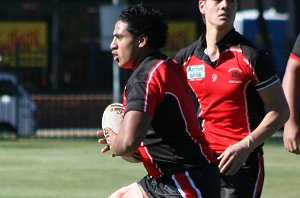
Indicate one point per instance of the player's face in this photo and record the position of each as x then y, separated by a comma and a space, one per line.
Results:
218, 13
124, 46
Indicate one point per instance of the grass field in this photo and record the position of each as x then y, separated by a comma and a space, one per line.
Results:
76, 169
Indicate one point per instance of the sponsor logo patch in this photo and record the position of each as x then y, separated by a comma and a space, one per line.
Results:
195, 72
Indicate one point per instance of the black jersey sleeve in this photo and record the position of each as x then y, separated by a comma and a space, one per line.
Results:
135, 96
263, 65
261, 62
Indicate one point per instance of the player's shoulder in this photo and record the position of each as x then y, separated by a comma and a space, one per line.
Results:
296, 47
258, 58
249, 50
254, 54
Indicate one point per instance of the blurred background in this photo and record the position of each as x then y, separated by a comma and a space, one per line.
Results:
57, 73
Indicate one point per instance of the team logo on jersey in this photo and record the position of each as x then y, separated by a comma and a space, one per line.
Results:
214, 78
236, 75
195, 72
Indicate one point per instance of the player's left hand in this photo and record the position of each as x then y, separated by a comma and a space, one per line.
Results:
291, 137
102, 140
233, 158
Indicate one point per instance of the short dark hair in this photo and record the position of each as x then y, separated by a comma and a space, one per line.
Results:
146, 20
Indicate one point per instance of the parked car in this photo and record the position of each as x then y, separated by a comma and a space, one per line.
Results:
16, 107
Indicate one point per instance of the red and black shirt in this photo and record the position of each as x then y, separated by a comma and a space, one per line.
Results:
175, 142
227, 90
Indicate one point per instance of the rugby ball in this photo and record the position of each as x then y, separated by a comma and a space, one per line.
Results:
112, 118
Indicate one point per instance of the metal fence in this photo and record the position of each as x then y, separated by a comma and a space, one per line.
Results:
69, 115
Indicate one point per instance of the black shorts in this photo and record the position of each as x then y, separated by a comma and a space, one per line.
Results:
191, 184
248, 181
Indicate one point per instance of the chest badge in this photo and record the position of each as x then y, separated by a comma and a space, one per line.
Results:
214, 78
195, 72
235, 75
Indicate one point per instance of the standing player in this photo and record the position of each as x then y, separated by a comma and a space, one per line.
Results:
160, 120
291, 86
233, 82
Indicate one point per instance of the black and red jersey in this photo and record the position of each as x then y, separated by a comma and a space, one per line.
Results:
174, 143
227, 90
295, 54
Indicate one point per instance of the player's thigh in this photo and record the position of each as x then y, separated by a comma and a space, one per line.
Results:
131, 191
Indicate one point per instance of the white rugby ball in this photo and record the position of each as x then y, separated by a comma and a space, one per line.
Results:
112, 118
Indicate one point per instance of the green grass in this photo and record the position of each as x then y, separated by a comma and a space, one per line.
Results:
75, 168
282, 172
61, 169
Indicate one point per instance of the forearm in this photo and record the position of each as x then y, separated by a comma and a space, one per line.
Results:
133, 131
121, 149
291, 87
293, 98
271, 123
124, 145
278, 113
